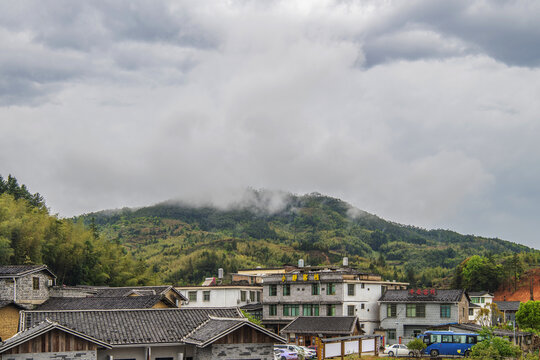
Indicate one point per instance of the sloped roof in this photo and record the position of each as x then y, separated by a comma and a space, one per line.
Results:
473, 305
4, 303
9, 271
41, 328
101, 303
215, 328
321, 325
479, 293
508, 305
442, 296
136, 290
123, 327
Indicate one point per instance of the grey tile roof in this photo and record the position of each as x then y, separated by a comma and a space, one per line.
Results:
42, 328
479, 293
508, 305
4, 303
101, 303
473, 305
138, 290
120, 327
21, 270
215, 328
321, 324
442, 296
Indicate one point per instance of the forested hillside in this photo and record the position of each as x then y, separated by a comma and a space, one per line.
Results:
77, 254
184, 243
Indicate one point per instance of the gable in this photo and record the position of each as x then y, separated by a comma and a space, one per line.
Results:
245, 335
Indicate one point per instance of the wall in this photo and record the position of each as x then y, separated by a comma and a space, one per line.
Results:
236, 351
139, 352
10, 321
72, 355
433, 317
25, 288
219, 296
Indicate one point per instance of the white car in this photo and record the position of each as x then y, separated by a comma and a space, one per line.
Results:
398, 350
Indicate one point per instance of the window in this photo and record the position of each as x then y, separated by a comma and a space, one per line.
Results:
272, 310
243, 296
258, 296
252, 295
475, 300
445, 311
391, 334
331, 289
482, 300
416, 333
286, 289
310, 310
315, 289
363, 286
350, 289
471, 339
350, 310
291, 310
416, 310
446, 338
391, 310
206, 295
460, 339
35, 283
192, 295
362, 306
471, 312
273, 290
331, 310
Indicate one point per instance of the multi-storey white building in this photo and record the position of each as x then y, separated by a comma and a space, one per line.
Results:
479, 300
324, 291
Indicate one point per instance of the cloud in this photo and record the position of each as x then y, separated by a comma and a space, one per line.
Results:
419, 112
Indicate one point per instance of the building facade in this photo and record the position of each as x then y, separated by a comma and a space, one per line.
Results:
406, 313
480, 300
220, 295
323, 291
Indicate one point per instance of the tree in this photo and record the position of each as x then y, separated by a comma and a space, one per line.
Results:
494, 348
528, 315
480, 273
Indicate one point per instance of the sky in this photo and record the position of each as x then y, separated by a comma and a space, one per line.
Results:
422, 112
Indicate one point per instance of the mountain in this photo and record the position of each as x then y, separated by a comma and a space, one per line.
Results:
183, 243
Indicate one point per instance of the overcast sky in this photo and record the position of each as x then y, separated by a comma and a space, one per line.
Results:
422, 112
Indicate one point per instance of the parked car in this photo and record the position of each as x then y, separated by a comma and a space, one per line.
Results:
309, 353
398, 350
284, 354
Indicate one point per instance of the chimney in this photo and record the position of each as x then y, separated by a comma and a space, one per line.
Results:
301, 263
345, 261
220, 273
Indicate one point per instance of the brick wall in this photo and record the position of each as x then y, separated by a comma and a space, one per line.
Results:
72, 355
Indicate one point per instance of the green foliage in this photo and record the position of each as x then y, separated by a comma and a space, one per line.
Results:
528, 316
416, 344
478, 273
493, 347
170, 238
252, 319
75, 253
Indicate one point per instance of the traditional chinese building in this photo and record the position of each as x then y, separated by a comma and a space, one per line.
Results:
406, 313
323, 291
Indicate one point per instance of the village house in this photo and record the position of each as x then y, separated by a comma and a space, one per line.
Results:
479, 300
220, 295
406, 313
323, 291
26, 284
150, 334
304, 330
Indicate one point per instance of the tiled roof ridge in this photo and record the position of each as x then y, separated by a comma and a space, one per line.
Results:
195, 329
212, 317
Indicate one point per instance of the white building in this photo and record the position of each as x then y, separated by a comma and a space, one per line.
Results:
220, 295
479, 300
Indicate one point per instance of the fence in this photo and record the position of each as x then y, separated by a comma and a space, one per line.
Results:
343, 346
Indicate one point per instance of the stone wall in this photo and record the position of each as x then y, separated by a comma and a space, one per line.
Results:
236, 351
6, 289
72, 355
25, 288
